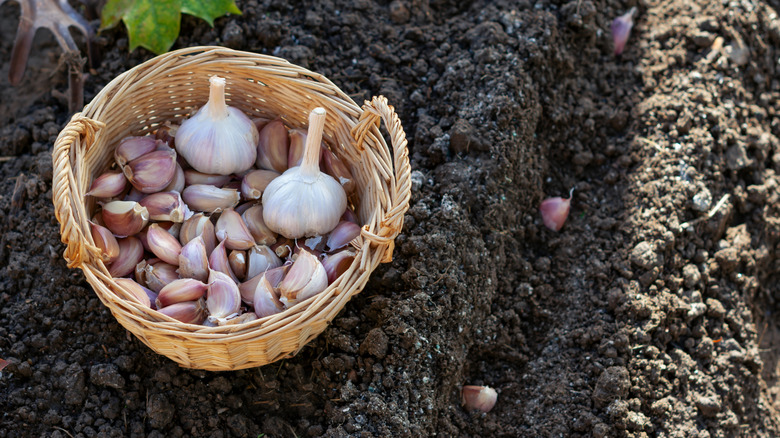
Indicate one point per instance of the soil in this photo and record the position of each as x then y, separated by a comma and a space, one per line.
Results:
653, 312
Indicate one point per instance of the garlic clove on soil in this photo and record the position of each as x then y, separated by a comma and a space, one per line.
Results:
304, 201
218, 139
555, 211
478, 397
621, 30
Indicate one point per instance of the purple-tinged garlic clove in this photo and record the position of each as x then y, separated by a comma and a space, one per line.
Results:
218, 261
555, 211
349, 215
158, 274
260, 122
165, 206
134, 195
306, 278
136, 292
260, 259
265, 300
131, 148
177, 291
125, 218
131, 252
344, 233
237, 262
337, 264
178, 183
253, 218
188, 312
108, 185
621, 30
106, 241
163, 245
254, 183
209, 199
478, 397
274, 276
193, 260
192, 177
336, 168
223, 299
297, 142
152, 172
273, 147
232, 230
199, 225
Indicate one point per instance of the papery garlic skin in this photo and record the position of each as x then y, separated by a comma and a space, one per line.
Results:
304, 201
218, 139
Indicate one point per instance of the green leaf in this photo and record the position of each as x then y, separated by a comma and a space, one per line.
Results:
154, 24
209, 10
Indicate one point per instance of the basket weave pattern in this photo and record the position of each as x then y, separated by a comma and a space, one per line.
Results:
169, 88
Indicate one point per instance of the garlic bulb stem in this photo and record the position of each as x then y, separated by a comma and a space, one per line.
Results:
217, 107
310, 167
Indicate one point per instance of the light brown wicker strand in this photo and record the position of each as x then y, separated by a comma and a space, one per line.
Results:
169, 88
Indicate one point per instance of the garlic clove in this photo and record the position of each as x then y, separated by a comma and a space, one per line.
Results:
131, 252
260, 122
265, 300
344, 233
297, 142
260, 259
241, 208
273, 147
108, 185
134, 290
163, 245
188, 312
253, 218
177, 291
167, 133
231, 229
218, 139
152, 172
178, 183
199, 225
192, 177
223, 299
106, 241
209, 199
349, 215
555, 211
337, 264
173, 228
131, 148
274, 276
134, 195
306, 278
336, 168
478, 397
237, 262
165, 206
254, 183
125, 218
621, 30
304, 201
193, 260
218, 261
158, 274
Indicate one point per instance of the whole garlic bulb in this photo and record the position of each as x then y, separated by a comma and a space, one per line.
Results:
218, 139
304, 201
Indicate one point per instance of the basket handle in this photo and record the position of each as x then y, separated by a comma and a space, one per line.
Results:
79, 129
401, 181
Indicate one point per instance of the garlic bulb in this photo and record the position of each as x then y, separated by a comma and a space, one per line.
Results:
218, 139
304, 201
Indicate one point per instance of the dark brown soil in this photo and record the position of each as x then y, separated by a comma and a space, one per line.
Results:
652, 313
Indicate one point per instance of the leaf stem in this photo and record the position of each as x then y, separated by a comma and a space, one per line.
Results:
310, 166
217, 106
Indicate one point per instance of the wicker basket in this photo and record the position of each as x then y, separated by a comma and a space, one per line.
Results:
168, 87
